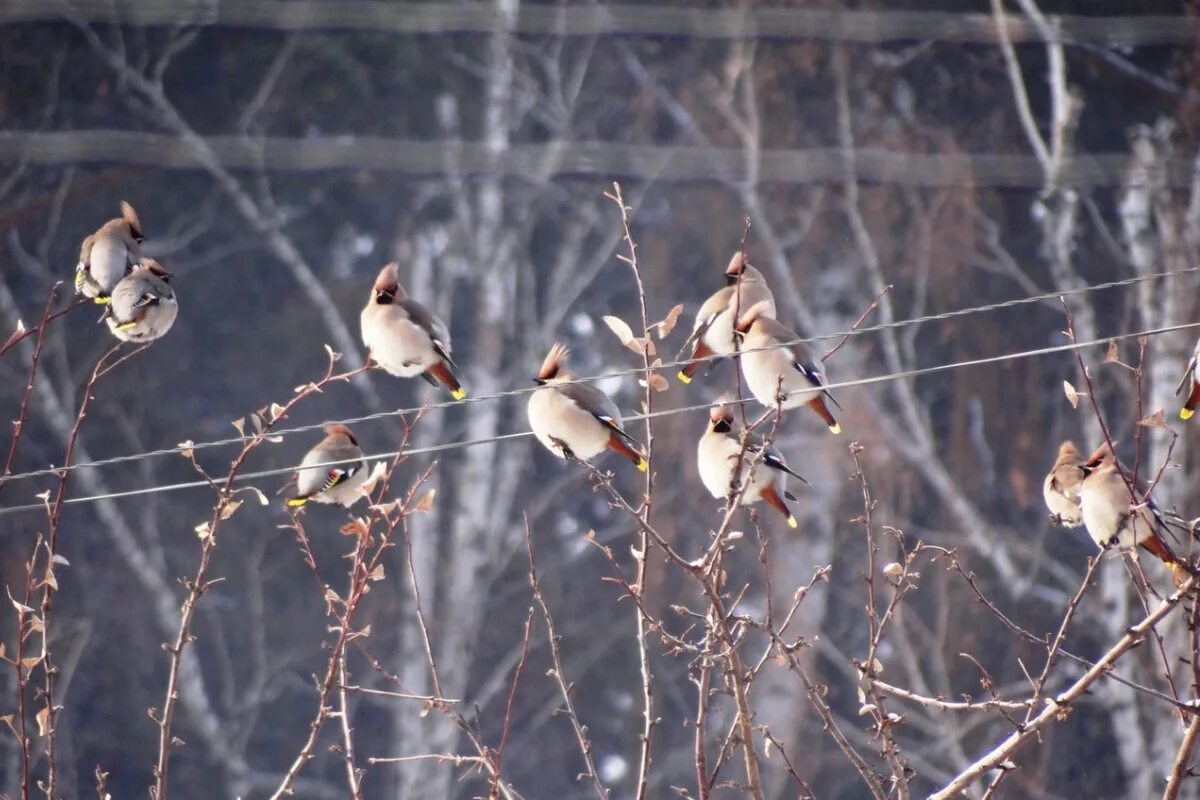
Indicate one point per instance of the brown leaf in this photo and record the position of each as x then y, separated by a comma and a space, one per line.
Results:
355, 527
228, 507
29, 663
203, 530
1156, 420
1072, 395
43, 720
50, 580
20, 607
377, 574
331, 597
426, 501
1114, 353
240, 424
658, 383
257, 421
36, 625
668, 323
618, 326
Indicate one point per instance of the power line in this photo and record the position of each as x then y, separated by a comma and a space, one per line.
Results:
446, 446
754, 21
945, 315
576, 158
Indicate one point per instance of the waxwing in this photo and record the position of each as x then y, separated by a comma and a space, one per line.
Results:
712, 333
1190, 381
770, 363
332, 472
1110, 514
718, 455
405, 337
576, 420
1061, 487
108, 255
142, 307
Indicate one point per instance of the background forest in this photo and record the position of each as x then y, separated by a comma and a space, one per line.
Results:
279, 153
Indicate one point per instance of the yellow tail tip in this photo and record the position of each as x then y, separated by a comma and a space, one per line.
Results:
458, 394
643, 465
835, 428
296, 502
683, 377
792, 522
124, 326
100, 301
1186, 413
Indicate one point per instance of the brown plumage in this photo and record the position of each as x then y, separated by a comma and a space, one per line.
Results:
405, 337
712, 332
576, 419
1060, 489
108, 255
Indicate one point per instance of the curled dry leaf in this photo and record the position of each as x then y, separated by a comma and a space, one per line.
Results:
426, 501
658, 383
1156, 420
43, 720
377, 574
60, 559
668, 323
893, 570
228, 508
240, 424
203, 530
1072, 395
333, 357
262, 498
622, 330
355, 527
1113, 354
378, 470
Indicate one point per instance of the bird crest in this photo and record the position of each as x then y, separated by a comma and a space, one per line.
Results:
388, 283
737, 265
556, 359
338, 429
155, 268
131, 219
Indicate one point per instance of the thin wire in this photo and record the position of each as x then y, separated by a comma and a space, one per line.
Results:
103, 462
446, 446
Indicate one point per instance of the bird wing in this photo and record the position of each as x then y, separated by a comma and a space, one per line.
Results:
598, 404
433, 326
774, 459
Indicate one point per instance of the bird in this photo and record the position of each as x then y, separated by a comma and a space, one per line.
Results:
406, 338
1111, 516
718, 455
108, 255
142, 306
576, 420
779, 368
1061, 487
1190, 377
332, 472
712, 333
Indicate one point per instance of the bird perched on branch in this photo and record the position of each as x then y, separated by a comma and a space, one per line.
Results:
712, 333
142, 307
332, 472
719, 455
1113, 517
576, 420
780, 368
405, 337
1061, 487
1191, 381
108, 255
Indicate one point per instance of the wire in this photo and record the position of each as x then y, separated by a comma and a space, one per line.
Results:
438, 448
103, 462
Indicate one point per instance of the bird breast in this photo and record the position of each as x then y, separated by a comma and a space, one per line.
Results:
398, 344
764, 368
717, 457
1064, 504
553, 415
1105, 519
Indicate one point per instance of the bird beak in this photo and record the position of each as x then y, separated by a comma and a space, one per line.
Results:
539, 381
731, 278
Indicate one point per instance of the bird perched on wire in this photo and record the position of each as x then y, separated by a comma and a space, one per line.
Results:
1191, 381
405, 337
1061, 486
142, 306
719, 456
712, 333
332, 472
1113, 518
108, 255
576, 420
780, 368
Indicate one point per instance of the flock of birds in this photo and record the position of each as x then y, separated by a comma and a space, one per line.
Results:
575, 419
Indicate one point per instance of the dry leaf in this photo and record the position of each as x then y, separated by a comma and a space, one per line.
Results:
331, 597
228, 508
50, 580
893, 570
185, 448
618, 326
426, 501
867, 708
59, 559
276, 410
668, 323
658, 383
36, 625
262, 498
377, 574
1113, 354
377, 473
1072, 395
43, 720
43, 496
257, 421
240, 424
332, 355
20, 607
203, 530
1156, 420
355, 527
29, 663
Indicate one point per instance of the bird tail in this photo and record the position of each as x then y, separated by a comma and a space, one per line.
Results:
618, 444
296, 502
699, 352
1157, 547
1189, 408
442, 372
773, 499
817, 404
